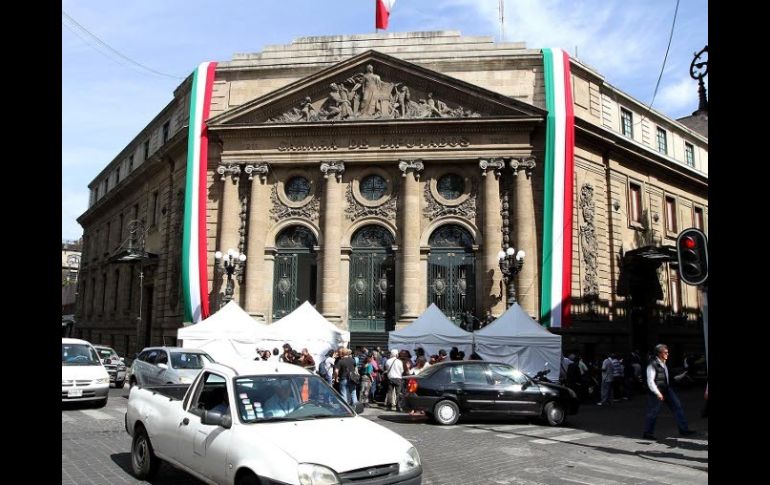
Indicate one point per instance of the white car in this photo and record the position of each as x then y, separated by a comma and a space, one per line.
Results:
156, 366
263, 422
83, 377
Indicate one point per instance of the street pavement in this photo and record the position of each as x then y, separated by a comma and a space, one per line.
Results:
598, 446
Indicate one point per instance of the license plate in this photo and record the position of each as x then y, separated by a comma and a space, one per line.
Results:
75, 393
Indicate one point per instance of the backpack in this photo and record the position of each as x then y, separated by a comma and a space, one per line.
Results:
354, 376
323, 369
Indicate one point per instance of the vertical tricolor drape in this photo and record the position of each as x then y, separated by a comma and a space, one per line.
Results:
382, 8
194, 251
558, 189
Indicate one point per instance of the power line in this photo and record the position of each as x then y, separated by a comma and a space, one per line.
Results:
103, 44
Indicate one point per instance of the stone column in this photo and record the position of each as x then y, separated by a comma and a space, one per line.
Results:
411, 286
525, 235
256, 277
229, 218
492, 290
332, 234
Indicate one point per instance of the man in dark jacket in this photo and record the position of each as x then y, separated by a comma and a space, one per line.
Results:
659, 391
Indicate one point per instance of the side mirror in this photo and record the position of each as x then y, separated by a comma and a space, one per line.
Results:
107, 361
123, 360
214, 418
163, 366
359, 408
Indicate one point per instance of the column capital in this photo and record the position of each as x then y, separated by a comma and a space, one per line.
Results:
414, 166
260, 169
232, 169
336, 168
496, 164
523, 163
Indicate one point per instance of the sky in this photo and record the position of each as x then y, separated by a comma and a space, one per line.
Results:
113, 88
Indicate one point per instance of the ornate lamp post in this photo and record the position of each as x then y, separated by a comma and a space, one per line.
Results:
511, 262
230, 262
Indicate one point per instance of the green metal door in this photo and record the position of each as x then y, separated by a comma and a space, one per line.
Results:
294, 273
452, 272
371, 297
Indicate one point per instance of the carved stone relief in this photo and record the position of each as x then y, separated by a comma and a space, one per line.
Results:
366, 96
260, 169
588, 240
434, 208
243, 195
280, 211
335, 168
355, 210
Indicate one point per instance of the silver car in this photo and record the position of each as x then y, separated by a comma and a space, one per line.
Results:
114, 365
156, 366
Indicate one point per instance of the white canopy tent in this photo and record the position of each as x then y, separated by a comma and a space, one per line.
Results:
516, 339
305, 328
228, 335
432, 331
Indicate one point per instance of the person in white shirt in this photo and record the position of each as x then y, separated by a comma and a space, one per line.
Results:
282, 402
395, 371
659, 390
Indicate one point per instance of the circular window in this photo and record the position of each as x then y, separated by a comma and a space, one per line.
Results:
450, 186
373, 187
297, 189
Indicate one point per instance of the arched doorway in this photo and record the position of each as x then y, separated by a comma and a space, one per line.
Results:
294, 274
371, 296
452, 271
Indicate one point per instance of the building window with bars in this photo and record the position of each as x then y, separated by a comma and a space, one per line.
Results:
635, 203
627, 123
689, 155
166, 129
662, 141
697, 217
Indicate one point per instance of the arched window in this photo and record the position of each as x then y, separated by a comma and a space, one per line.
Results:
452, 271
295, 270
371, 296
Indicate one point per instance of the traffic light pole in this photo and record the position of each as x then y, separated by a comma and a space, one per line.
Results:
705, 311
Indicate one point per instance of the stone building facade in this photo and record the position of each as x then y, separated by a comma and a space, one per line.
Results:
372, 175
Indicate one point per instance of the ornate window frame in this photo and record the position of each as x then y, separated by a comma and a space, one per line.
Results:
389, 180
281, 189
467, 189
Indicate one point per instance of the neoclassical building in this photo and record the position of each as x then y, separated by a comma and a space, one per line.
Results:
376, 174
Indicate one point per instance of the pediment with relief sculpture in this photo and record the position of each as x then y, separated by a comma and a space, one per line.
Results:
374, 86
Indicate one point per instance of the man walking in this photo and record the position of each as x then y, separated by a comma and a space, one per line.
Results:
660, 391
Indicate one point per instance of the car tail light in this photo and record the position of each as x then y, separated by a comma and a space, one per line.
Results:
412, 385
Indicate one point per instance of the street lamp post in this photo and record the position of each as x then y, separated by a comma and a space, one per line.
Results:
230, 262
511, 262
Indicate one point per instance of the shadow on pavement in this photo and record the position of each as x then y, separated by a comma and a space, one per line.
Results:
167, 475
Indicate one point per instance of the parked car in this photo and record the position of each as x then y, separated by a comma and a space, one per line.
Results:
83, 377
449, 390
114, 364
155, 366
260, 422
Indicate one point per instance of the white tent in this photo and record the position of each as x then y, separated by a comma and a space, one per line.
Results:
305, 328
228, 335
432, 331
516, 339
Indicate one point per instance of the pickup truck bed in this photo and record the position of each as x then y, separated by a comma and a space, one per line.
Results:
175, 392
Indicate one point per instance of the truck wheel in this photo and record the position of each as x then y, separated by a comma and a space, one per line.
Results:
144, 463
446, 412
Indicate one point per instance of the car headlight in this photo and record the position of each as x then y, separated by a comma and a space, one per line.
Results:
185, 380
409, 461
103, 380
310, 474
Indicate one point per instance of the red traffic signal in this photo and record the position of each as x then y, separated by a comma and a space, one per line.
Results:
692, 255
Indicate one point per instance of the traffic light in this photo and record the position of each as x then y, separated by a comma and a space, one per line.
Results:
693, 257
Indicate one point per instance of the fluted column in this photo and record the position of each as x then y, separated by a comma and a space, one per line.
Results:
255, 247
492, 242
332, 234
229, 216
525, 235
410, 282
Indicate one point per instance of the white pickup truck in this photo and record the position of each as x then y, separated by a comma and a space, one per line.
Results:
263, 423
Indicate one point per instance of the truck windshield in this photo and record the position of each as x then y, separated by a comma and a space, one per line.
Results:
287, 398
78, 354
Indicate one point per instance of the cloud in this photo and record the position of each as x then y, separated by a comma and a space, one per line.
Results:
679, 98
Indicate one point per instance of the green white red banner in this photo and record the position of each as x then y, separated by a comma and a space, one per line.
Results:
194, 250
559, 177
